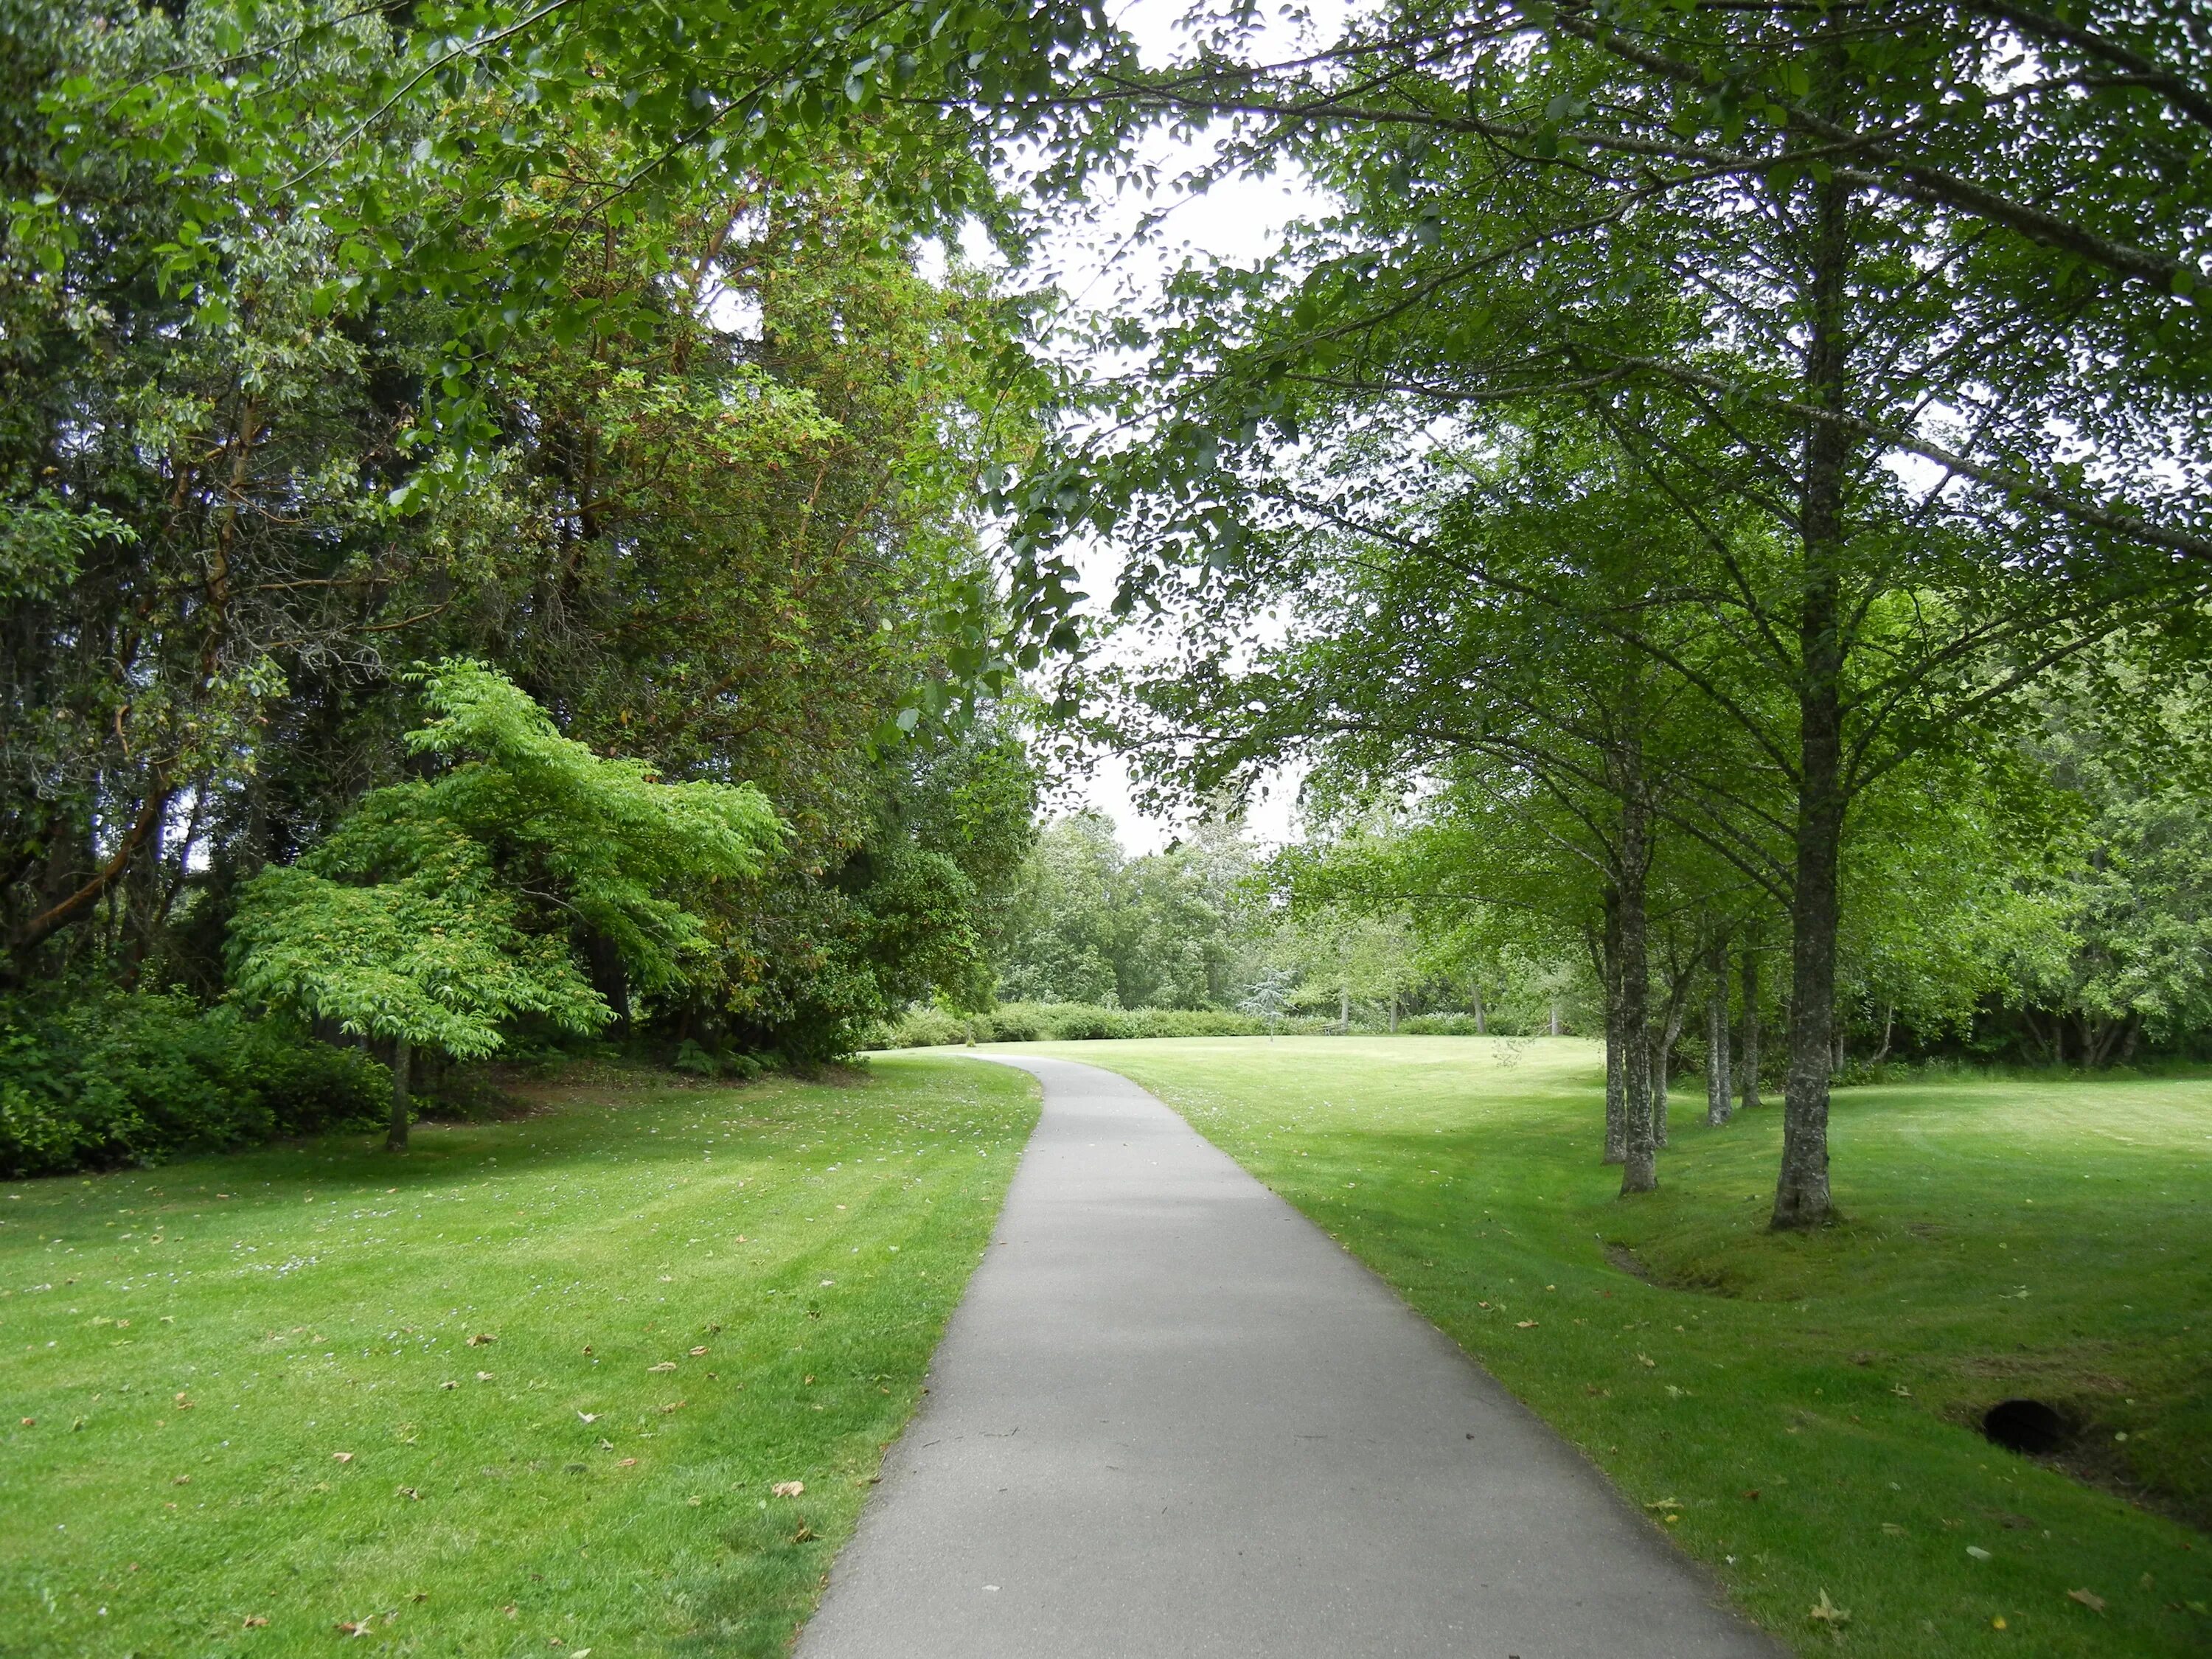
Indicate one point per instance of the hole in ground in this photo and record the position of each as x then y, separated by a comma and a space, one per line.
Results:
2026, 1426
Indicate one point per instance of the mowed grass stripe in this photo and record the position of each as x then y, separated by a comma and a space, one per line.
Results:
525, 1389
2052, 1239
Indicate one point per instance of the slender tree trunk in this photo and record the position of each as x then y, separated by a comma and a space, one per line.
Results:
1716, 1032
1344, 1008
1616, 1095
1750, 1028
402, 1060
1835, 1065
1888, 1024
1555, 1019
1394, 1013
1479, 1029
1801, 1189
1662, 1058
1639, 1168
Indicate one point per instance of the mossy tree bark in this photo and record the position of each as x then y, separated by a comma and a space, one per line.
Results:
1717, 1103
1801, 1191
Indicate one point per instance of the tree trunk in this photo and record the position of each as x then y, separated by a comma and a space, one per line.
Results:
1616, 1112
1344, 1008
402, 1060
1479, 1028
1640, 1166
1394, 1013
1750, 1028
1662, 1059
1555, 1019
1888, 1024
1716, 1033
610, 977
1836, 1065
1800, 1188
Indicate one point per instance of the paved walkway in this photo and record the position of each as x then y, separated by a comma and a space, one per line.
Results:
1172, 1418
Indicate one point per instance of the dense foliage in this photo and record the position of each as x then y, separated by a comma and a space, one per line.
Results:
1700, 415
703, 489
89, 1076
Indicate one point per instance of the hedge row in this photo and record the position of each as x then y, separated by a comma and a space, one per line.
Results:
1074, 1022
133, 1079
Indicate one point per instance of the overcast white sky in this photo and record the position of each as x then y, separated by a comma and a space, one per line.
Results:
1096, 266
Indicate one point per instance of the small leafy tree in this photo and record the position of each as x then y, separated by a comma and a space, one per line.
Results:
441, 910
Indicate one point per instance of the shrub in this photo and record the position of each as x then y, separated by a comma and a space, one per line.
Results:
1438, 1025
134, 1078
1073, 1022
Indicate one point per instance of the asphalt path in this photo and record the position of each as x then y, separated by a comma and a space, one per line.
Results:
1173, 1417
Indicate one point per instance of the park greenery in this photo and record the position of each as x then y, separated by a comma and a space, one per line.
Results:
1713, 494
535, 535
1798, 1411
538, 1384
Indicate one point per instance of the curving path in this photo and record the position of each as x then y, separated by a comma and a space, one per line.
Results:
1172, 1418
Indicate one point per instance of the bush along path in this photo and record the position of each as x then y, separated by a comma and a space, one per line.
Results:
614, 1376
1800, 1411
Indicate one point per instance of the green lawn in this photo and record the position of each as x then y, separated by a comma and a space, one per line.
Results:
250, 1410
1796, 1414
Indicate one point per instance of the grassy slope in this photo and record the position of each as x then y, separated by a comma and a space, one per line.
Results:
315, 1300
1830, 1375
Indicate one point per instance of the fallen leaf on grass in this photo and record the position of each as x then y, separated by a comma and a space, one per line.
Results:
1997, 1623
665, 1366
1664, 1504
1648, 1360
1751, 1496
481, 1338
449, 1385
410, 1493
1829, 1614
695, 1352
2088, 1599
182, 1480
627, 1463
803, 1534
789, 1488
353, 1627
30, 1422
484, 1377
341, 1457
255, 1621
1978, 1553
1524, 1324
678, 1406
1893, 1530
